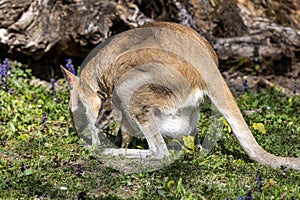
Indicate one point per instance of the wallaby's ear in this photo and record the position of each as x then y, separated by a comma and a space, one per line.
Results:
102, 95
71, 78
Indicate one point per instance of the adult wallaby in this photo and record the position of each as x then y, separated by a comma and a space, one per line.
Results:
155, 77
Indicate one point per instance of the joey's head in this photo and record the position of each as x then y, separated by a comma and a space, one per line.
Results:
105, 115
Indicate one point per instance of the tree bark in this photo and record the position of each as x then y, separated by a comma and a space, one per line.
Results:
265, 32
71, 27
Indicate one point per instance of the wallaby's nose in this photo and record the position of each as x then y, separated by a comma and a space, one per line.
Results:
100, 124
104, 119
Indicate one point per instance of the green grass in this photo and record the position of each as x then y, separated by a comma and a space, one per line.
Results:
40, 155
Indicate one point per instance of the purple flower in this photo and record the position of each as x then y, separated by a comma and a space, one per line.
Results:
3, 75
6, 62
256, 54
4, 72
249, 195
46, 195
260, 182
246, 86
11, 91
44, 119
78, 170
286, 170
52, 85
4, 141
52, 81
295, 89
259, 178
70, 66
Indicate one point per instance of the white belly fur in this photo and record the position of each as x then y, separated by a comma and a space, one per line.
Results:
176, 125
183, 120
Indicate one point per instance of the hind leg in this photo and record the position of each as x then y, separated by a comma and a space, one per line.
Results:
123, 138
157, 146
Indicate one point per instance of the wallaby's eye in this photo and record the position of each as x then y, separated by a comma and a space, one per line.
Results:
107, 112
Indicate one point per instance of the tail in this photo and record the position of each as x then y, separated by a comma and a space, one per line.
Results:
226, 104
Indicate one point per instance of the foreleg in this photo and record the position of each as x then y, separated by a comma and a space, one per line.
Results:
92, 104
196, 136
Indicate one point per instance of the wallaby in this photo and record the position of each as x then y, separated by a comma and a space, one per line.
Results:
155, 78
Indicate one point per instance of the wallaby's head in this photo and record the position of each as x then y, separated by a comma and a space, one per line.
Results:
105, 115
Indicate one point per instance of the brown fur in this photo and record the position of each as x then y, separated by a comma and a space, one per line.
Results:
153, 76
